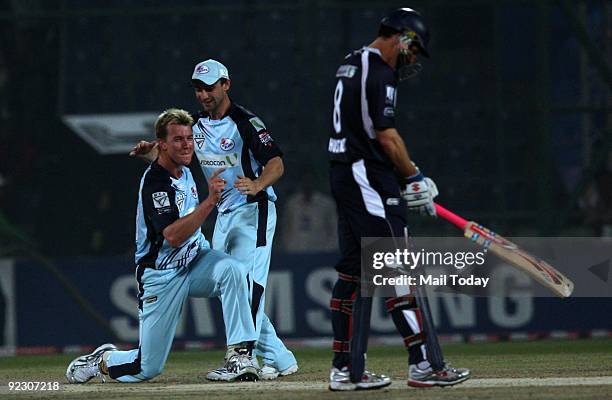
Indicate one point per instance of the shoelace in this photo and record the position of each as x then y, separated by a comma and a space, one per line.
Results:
234, 363
92, 367
94, 362
101, 376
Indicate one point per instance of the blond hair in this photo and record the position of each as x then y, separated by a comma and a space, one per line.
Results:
169, 117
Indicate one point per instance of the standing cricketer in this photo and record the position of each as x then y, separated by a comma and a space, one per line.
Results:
174, 261
229, 136
366, 155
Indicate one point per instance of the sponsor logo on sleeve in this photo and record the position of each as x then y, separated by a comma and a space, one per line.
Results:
389, 112
161, 200
265, 139
257, 124
194, 192
390, 97
346, 71
226, 144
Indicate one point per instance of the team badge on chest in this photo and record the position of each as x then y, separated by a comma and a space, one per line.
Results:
180, 200
199, 140
226, 144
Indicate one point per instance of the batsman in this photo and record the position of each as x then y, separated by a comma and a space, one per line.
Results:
367, 155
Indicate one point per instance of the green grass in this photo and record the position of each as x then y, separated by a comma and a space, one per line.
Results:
541, 359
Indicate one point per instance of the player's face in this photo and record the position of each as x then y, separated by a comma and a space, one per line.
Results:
211, 97
178, 144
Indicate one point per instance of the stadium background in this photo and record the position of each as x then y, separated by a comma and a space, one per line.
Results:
511, 116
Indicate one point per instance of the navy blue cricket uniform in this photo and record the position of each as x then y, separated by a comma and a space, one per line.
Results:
369, 204
362, 180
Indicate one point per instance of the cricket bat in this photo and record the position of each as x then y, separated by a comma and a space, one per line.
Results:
538, 269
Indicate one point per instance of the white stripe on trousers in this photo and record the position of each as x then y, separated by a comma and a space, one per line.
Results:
371, 198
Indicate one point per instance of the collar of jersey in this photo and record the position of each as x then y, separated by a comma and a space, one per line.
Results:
221, 121
155, 166
373, 50
204, 114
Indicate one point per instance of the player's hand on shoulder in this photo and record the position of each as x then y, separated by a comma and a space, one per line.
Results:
145, 150
419, 193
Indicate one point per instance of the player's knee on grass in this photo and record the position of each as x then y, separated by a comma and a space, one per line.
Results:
151, 371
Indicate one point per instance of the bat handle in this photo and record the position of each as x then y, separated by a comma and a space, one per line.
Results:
451, 216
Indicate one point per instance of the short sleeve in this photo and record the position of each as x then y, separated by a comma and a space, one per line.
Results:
158, 203
258, 139
382, 97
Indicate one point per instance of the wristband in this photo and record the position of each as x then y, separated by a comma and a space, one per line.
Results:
414, 178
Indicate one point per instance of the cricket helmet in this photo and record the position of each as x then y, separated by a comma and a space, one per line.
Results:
413, 32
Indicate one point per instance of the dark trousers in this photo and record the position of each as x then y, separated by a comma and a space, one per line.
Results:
369, 205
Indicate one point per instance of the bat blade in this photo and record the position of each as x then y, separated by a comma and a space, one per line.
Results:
538, 269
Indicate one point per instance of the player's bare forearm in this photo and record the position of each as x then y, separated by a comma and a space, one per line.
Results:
271, 173
180, 230
394, 146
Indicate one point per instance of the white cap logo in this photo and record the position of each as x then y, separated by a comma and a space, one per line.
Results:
209, 72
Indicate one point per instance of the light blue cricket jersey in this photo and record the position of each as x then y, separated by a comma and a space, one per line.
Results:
240, 143
163, 199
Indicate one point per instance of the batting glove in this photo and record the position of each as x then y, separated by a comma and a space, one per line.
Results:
419, 193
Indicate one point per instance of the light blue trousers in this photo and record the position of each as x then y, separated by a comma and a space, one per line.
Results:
242, 234
211, 274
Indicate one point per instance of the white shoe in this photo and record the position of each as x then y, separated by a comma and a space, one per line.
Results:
340, 380
221, 373
239, 366
269, 372
218, 374
427, 377
83, 368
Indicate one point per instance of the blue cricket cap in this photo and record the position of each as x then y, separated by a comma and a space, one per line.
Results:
209, 72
